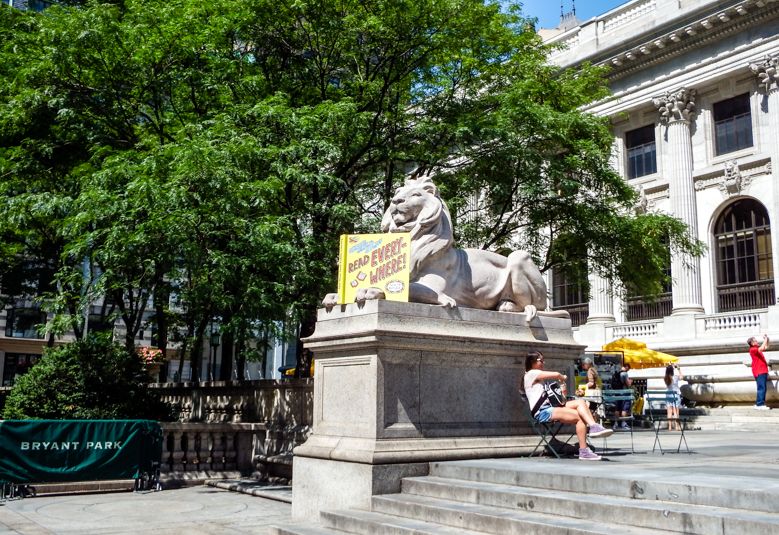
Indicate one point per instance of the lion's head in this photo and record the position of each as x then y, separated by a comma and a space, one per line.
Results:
418, 208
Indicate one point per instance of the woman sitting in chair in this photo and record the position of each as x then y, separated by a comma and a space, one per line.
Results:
573, 412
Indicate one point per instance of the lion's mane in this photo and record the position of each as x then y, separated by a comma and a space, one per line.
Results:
431, 231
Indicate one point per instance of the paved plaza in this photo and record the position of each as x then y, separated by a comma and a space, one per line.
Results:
718, 456
194, 510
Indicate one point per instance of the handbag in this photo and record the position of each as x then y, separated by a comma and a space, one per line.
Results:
554, 393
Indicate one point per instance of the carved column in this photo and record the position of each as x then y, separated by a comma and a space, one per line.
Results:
677, 111
601, 300
178, 451
767, 72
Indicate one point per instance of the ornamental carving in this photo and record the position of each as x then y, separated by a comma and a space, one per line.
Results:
734, 178
643, 204
676, 105
767, 72
732, 181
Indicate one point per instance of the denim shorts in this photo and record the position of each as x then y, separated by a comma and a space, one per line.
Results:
672, 399
544, 415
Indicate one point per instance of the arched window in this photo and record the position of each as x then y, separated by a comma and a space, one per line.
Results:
745, 277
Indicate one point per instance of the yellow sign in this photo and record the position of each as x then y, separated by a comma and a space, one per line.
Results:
379, 261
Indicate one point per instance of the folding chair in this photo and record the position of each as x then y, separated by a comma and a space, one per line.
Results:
546, 431
658, 419
610, 397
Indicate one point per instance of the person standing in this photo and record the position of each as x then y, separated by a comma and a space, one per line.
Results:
592, 373
759, 370
673, 396
622, 408
592, 384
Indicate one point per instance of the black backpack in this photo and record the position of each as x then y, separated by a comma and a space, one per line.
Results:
616, 381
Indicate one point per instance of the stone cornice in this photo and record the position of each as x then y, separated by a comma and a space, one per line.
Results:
661, 48
767, 72
733, 176
676, 105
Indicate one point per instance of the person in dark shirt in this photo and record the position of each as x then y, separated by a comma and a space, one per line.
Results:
622, 408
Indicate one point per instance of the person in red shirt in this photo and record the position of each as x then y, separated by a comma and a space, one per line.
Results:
759, 370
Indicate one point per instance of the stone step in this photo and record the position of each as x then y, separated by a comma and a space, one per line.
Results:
495, 520
661, 515
735, 426
737, 418
756, 493
373, 523
303, 529
747, 410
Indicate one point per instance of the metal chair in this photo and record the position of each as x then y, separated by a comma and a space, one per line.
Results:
660, 397
546, 431
610, 397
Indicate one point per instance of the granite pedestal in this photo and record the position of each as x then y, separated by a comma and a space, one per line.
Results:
398, 385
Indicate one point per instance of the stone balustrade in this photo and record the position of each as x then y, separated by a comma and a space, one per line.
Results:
729, 328
263, 401
734, 321
231, 428
643, 329
199, 448
618, 18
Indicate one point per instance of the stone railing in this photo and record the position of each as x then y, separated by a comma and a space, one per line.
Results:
263, 401
234, 427
629, 14
644, 329
208, 448
734, 321
692, 334
198, 451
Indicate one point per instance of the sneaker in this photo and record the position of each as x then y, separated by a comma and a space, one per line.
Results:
625, 426
586, 454
763, 408
598, 431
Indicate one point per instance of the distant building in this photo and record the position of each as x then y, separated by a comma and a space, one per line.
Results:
32, 5
695, 115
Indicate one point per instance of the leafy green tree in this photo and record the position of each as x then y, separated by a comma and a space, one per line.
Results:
90, 379
209, 154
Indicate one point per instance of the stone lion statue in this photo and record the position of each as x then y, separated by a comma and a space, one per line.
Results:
444, 275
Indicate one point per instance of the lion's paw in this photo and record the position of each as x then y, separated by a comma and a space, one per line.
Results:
446, 301
368, 294
507, 305
530, 312
330, 301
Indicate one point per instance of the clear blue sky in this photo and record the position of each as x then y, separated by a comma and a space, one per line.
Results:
548, 11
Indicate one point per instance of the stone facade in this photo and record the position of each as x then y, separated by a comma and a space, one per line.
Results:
674, 66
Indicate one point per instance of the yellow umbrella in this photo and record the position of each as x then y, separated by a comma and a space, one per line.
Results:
638, 355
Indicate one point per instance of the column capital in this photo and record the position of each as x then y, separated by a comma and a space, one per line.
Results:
676, 105
767, 72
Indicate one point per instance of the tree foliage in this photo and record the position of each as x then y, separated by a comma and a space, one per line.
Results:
88, 379
207, 155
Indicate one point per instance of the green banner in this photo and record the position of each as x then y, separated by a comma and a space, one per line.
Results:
39, 451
